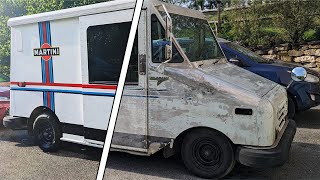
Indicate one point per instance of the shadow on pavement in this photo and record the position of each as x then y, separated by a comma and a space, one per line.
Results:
303, 157
22, 139
79, 151
301, 164
154, 165
308, 119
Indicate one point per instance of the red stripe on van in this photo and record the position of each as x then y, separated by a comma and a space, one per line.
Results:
90, 86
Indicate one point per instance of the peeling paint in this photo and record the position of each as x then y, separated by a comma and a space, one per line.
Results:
203, 94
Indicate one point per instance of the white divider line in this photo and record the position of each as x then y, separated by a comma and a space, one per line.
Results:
117, 98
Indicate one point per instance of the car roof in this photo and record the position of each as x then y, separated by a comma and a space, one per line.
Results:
221, 40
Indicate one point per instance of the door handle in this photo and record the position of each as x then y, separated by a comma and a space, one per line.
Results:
142, 64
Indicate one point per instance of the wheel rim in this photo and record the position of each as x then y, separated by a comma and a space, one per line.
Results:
207, 154
46, 134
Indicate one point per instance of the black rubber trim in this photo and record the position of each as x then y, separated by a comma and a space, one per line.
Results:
73, 129
122, 139
264, 158
95, 134
15, 123
119, 138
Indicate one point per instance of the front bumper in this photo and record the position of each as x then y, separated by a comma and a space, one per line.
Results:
4, 107
15, 123
272, 157
303, 95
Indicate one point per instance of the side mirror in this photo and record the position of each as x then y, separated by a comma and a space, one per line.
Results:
234, 61
298, 74
168, 21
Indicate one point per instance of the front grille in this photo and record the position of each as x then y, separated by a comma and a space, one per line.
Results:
282, 116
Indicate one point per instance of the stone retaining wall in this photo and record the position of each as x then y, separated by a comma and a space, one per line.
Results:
307, 55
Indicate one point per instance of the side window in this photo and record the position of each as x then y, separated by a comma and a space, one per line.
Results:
158, 43
229, 54
106, 48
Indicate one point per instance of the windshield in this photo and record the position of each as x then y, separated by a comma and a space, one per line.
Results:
251, 55
196, 38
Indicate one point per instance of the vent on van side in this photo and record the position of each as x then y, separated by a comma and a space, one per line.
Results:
243, 111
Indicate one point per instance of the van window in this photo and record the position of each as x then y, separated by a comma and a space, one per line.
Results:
158, 43
106, 49
196, 38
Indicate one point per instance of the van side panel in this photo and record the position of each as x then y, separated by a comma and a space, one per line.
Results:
24, 68
67, 70
58, 91
179, 107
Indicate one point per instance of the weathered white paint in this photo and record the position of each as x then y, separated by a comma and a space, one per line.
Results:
191, 96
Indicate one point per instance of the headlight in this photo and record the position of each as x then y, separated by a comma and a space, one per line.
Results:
311, 78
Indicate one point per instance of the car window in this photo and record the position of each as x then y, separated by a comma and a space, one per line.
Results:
231, 55
251, 55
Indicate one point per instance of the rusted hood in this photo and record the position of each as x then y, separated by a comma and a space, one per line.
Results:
223, 77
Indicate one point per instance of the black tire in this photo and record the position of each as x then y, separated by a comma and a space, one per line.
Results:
291, 107
47, 132
207, 153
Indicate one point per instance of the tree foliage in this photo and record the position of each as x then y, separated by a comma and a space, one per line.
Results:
270, 22
252, 22
296, 17
199, 4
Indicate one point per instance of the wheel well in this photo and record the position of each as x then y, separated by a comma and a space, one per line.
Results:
297, 108
293, 99
35, 113
178, 141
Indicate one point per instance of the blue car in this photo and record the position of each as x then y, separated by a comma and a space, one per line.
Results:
301, 95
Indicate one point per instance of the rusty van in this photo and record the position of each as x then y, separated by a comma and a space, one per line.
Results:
180, 99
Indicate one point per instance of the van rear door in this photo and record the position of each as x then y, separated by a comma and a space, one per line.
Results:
103, 42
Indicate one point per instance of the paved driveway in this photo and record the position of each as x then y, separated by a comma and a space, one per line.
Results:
19, 159
304, 159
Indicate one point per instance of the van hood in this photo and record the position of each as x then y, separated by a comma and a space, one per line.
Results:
223, 77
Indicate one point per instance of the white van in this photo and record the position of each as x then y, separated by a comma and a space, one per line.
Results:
64, 70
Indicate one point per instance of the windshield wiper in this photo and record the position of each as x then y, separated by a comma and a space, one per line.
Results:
215, 62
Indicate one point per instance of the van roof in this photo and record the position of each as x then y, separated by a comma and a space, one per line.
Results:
73, 12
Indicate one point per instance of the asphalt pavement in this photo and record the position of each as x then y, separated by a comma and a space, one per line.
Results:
21, 159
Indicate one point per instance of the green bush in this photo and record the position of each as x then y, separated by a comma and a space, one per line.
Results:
273, 36
270, 24
310, 35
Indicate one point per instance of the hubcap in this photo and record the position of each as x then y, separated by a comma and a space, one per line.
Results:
46, 134
207, 153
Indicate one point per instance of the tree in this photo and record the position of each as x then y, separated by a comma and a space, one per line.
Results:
76, 3
199, 4
270, 22
8, 8
40, 6
296, 17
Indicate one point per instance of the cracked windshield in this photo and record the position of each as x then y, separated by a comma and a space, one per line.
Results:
196, 38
